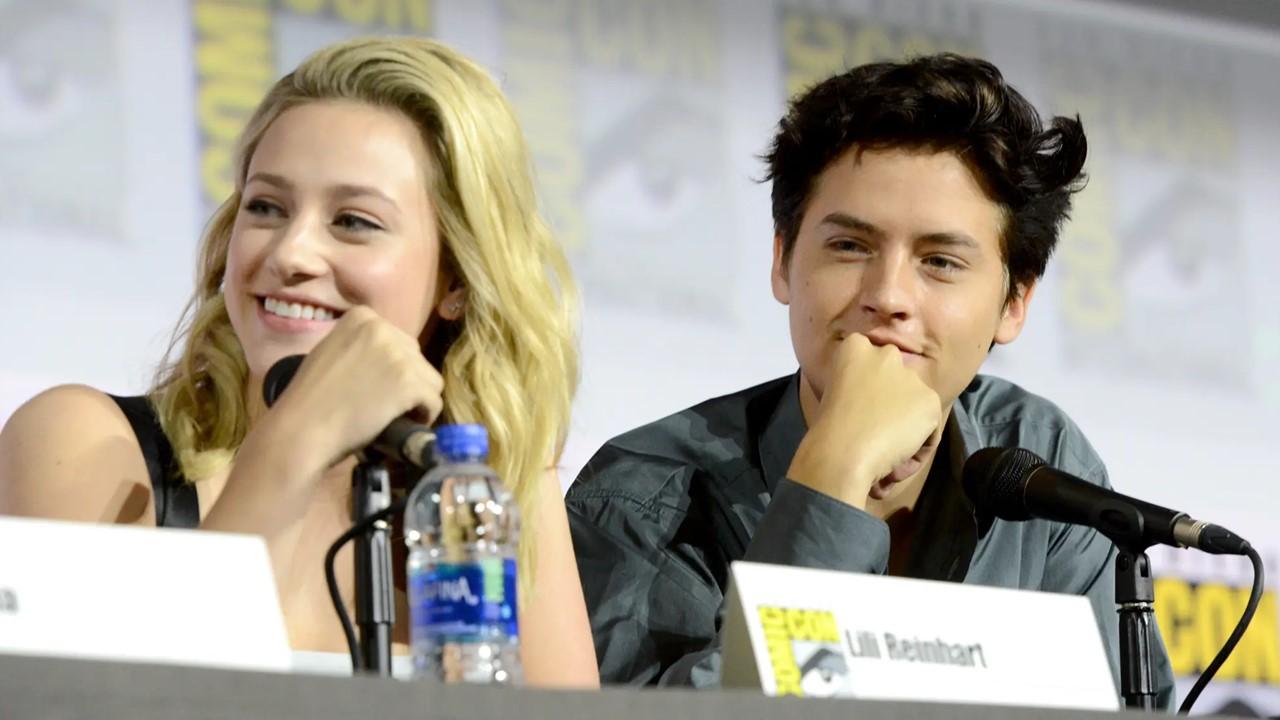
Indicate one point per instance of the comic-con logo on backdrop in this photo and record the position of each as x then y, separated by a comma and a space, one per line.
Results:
242, 47
817, 43
623, 105
1154, 249
1199, 600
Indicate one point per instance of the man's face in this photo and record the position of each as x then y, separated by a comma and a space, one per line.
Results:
902, 246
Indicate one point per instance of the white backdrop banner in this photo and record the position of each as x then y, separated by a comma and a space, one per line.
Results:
1156, 327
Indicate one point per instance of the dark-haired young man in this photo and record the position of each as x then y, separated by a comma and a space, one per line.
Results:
915, 206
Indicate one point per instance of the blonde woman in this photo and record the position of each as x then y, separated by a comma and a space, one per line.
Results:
384, 223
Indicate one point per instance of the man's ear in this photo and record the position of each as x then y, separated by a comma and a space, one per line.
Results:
778, 276
1014, 314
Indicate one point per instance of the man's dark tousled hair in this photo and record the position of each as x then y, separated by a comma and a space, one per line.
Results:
939, 103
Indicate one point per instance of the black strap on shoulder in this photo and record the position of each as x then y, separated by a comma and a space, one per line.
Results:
177, 504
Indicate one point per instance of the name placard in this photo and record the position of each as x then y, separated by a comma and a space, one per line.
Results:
139, 594
803, 632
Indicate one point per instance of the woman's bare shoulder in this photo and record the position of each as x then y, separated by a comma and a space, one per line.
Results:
70, 453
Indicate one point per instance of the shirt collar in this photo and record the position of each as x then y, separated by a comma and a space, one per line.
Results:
782, 435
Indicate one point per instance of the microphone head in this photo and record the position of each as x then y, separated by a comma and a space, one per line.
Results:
994, 480
278, 377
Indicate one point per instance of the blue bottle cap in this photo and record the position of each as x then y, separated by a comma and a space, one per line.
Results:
462, 442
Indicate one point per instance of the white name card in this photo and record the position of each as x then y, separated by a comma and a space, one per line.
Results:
802, 632
139, 594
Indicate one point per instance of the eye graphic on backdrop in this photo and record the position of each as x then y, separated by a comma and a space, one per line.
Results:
1181, 261
51, 59
34, 97
653, 166
655, 200
61, 119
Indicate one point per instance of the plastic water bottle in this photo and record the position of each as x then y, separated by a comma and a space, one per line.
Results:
462, 527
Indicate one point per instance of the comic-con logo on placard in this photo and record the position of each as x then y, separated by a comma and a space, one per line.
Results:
805, 654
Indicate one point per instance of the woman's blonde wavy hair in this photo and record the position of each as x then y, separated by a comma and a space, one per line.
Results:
510, 363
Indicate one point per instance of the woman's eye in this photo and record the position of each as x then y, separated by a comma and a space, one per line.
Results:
262, 208
347, 221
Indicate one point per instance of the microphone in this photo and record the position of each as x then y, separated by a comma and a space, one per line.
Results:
403, 440
1016, 484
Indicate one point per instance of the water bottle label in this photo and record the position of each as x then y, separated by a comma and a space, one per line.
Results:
459, 600
509, 619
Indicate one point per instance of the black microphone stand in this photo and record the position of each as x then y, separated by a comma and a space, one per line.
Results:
375, 596
1135, 598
